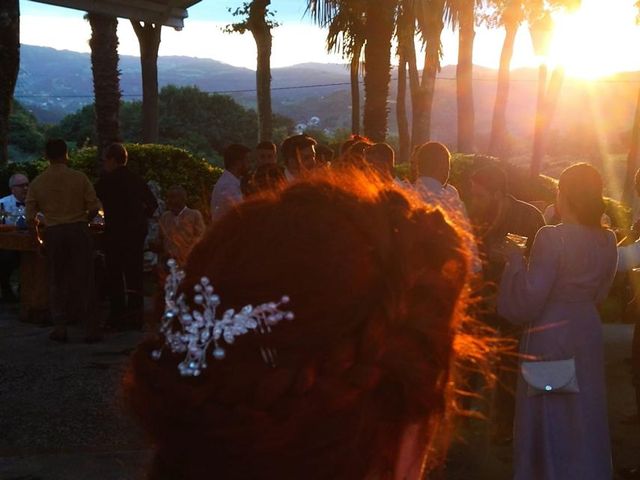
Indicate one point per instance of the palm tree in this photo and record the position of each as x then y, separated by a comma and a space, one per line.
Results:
260, 27
461, 14
379, 26
404, 134
634, 148
149, 39
10, 61
430, 19
632, 158
346, 35
258, 20
405, 33
509, 14
106, 78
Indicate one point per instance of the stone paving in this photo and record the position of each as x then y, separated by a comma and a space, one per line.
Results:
61, 416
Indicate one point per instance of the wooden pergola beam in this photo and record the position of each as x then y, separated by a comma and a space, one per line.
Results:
161, 12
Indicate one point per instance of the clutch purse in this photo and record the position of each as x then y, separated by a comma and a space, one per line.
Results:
553, 376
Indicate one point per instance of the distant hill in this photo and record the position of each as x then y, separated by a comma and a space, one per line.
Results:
59, 82
597, 115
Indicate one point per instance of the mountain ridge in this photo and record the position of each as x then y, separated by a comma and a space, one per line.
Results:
53, 83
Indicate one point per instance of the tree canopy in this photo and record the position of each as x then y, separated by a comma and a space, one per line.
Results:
192, 119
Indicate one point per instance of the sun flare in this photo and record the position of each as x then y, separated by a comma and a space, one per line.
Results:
593, 41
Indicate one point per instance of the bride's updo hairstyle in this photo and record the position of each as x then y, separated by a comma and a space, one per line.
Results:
581, 187
377, 286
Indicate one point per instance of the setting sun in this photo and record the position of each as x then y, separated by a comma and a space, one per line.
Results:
598, 39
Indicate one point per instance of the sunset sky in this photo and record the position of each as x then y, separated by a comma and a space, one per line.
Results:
599, 39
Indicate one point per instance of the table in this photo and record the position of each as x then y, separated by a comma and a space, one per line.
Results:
34, 286
34, 289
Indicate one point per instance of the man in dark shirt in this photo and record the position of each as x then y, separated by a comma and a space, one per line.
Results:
494, 214
127, 203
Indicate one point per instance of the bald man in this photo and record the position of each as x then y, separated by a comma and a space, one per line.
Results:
19, 186
12, 204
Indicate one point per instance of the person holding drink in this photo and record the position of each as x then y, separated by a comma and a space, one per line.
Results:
561, 429
12, 212
497, 216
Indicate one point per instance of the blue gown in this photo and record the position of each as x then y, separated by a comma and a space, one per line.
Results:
562, 436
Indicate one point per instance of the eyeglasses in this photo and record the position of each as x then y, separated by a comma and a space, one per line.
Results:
20, 185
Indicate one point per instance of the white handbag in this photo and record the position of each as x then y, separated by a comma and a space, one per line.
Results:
549, 376
553, 376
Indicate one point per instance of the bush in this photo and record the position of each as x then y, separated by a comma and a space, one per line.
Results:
164, 164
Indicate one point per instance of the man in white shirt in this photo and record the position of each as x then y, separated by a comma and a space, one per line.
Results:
433, 163
299, 154
19, 186
10, 260
227, 192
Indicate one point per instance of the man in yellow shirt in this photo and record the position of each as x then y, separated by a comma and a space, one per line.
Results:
67, 200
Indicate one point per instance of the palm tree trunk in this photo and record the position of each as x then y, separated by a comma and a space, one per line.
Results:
380, 25
499, 125
430, 19
261, 32
431, 69
149, 39
632, 158
544, 119
423, 102
404, 139
355, 87
106, 78
406, 31
464, 78
417, 94
10, 65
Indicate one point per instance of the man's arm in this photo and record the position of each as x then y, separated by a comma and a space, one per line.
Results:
91, 203
199, 226
32, 207
629, 257
149, 200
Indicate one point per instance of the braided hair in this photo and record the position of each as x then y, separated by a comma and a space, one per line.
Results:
376, 282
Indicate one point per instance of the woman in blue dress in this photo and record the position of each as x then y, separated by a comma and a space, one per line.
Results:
563, 436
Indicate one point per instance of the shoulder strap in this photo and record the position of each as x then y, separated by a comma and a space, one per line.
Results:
526, 343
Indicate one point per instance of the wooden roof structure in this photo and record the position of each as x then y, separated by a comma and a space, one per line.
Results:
164, 12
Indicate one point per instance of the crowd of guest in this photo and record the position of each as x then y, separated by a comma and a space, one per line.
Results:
378, 270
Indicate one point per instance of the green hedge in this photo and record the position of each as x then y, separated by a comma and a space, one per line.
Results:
164, 164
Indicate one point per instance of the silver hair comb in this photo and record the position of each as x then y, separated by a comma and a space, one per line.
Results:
198, 328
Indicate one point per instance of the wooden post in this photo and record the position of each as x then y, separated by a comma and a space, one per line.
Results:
9, 66
149, 39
